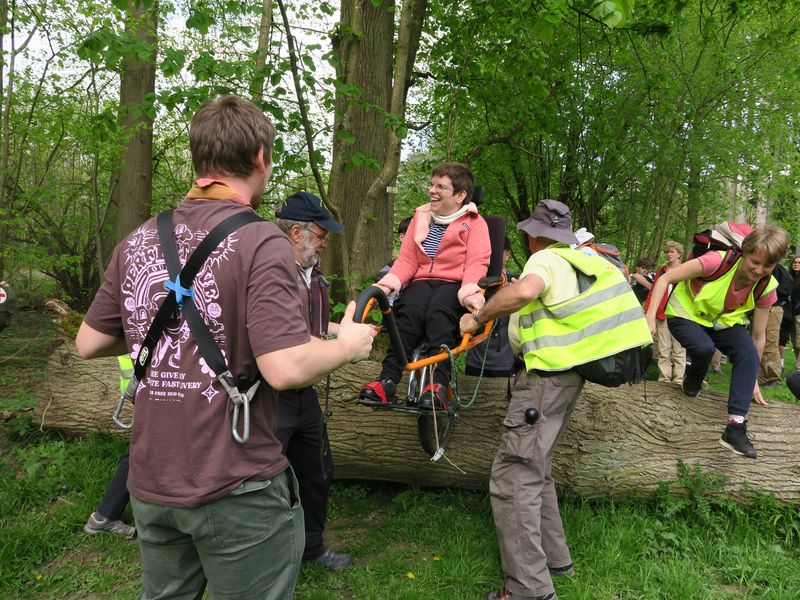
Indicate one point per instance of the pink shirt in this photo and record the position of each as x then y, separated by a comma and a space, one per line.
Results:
711, 261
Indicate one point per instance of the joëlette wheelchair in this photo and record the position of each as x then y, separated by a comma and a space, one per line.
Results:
434, 426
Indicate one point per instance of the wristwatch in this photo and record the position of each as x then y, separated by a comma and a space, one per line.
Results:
475, 317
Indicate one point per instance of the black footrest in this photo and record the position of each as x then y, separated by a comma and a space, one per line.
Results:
403, 408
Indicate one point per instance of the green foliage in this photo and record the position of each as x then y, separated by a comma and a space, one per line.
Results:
614, 121
173, 61
200, 18
612, 13
359, 159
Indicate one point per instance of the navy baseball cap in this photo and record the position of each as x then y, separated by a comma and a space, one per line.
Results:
307, 208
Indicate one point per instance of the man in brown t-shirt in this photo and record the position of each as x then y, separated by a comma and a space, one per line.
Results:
207, 508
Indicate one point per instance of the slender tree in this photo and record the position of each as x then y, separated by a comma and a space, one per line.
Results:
132, 193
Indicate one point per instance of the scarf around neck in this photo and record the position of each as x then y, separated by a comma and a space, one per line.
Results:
447, 219
213, 189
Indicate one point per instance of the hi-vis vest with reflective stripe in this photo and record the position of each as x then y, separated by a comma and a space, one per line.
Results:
125, 371
707, 307
601, 321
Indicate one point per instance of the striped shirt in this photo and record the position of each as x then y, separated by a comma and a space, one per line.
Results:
431, 243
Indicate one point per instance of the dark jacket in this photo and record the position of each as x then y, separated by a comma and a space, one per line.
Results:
785, 284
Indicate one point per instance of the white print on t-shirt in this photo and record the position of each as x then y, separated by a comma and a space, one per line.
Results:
143, 290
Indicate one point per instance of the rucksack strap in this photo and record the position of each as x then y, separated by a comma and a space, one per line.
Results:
732, 256
760, 287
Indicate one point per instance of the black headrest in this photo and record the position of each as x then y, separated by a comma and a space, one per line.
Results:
477, 195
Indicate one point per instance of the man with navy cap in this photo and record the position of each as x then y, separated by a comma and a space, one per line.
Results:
301, 422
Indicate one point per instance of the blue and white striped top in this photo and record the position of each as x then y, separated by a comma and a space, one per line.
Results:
431, 243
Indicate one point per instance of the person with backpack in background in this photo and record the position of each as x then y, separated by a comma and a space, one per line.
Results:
642, 278
555, 306
770, 371
589, 245
708, 308
671, 354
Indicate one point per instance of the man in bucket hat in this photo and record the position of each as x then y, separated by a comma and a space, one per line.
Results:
552, 342
301, 421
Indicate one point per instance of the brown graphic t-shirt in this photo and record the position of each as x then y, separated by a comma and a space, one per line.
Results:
182, 452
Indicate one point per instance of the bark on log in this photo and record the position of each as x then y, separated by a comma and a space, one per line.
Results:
78, 396
620, 440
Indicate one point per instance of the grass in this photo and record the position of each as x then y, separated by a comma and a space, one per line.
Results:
409, 542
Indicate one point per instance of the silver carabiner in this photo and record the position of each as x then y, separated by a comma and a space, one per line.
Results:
239, 400
128, 394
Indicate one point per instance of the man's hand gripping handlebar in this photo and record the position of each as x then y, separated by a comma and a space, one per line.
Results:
355, 338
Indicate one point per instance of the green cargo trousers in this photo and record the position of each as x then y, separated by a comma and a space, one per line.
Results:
529, 529
247, 544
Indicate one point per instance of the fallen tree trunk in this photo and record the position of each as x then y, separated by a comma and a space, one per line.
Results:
620, 440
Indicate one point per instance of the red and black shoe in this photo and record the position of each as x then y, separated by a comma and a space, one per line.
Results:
378, 392
436, 390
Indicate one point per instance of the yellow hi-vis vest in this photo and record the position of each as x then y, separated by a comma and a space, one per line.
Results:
707, 308
601, 321
125, 371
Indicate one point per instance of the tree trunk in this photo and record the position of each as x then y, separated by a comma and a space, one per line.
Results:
619, 440
363, 45
693, 200
262, 51
133, 194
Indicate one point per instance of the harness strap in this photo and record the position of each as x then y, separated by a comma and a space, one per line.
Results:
181, 296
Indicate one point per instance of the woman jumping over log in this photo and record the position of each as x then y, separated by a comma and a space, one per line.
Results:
708, 308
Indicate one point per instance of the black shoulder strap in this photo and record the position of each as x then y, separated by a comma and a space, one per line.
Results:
180, 292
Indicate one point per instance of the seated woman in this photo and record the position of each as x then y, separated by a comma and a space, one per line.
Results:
709, 309
441, 260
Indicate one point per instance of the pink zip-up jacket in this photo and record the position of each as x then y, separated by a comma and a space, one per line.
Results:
463, 255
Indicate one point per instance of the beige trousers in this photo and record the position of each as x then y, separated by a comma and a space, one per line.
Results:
529, 529
770, 369
671, 355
